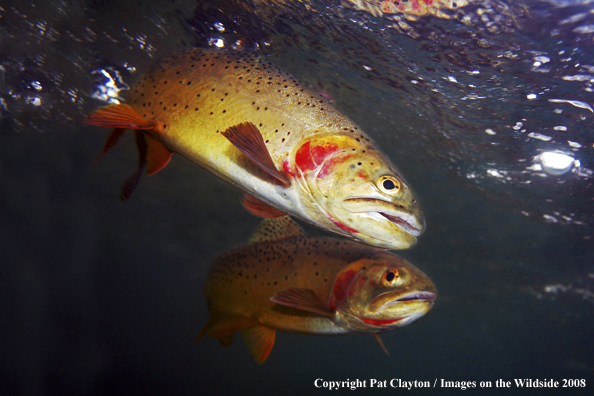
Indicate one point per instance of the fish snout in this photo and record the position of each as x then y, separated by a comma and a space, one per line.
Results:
408, 220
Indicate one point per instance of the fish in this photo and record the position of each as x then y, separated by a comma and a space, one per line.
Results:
287, 281
245, 120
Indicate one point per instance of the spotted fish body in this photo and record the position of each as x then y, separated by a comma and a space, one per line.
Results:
226, 111
285, 280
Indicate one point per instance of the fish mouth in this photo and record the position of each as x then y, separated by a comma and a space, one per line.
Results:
408, 315
405, 225
383, 322
421, 296
383, 210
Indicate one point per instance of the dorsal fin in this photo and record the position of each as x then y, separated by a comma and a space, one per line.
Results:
276, 229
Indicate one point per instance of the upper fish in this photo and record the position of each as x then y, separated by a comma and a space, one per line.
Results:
245, 120
285, 280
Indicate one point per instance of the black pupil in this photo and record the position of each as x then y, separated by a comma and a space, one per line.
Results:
389, 185
390, 276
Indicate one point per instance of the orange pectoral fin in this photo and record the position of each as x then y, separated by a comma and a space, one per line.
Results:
259, 208
303, 299
381, 343
118, 116
260, 340
248, 139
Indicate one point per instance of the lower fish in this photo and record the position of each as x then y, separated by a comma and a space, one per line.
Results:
285, 280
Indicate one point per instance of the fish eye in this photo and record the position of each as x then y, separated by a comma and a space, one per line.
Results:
390, 277
388, 184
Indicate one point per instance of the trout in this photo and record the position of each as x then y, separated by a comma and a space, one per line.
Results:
287, 147
284, 280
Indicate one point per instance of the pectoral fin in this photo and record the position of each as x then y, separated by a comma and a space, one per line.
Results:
248, 139
381, 343
260, 340
303, 299
259, 208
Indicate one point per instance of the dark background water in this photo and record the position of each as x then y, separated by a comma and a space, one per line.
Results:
104, 297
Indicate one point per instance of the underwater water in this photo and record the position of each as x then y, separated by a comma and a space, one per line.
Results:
487, 110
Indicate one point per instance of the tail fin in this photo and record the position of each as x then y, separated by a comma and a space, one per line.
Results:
152, 154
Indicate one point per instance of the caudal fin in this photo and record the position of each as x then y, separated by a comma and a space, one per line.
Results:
152, 154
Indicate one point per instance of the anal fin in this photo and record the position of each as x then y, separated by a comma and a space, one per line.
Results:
247, 138
220, 327
157, 155
303, 299
260, 340
259, 208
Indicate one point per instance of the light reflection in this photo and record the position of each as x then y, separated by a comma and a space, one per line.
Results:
109, 86
539, 136
556, 163
36, 85
500, 174
33, 100
549, 218
576, 103
217, 42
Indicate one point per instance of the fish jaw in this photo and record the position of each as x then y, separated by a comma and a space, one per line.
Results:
408, 307
394, 311
371, 221
389, 215
384, 292
345, 193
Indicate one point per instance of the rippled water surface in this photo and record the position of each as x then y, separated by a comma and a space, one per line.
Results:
486, 108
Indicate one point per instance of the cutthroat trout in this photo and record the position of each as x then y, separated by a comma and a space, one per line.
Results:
285, 280
245, 120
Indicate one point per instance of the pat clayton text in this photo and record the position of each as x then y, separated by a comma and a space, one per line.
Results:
442, 383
